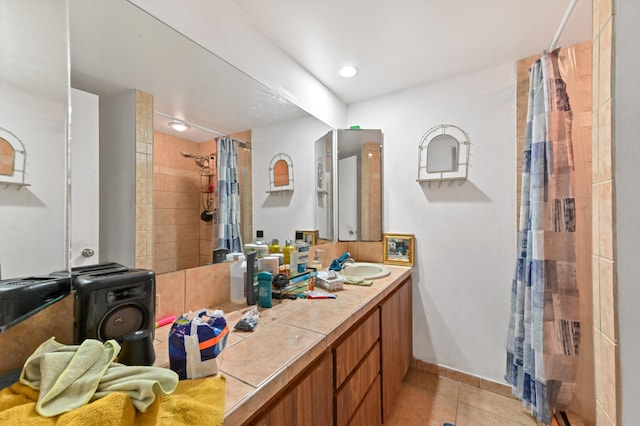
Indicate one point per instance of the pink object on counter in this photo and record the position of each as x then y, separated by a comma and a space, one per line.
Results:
165, 321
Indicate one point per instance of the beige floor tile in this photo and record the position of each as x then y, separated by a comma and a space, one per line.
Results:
424, 400
469, 415
508, 409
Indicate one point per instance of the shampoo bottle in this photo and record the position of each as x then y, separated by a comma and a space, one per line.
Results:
288, 249
274, 247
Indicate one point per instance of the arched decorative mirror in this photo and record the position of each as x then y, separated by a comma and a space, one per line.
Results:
281, 173
443, 154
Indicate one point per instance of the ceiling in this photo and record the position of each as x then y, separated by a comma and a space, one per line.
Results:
406, 43
398, 45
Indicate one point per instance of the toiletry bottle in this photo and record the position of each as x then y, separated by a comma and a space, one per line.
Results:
237, 272
316, 264
264, 289
288, 249
252, 270
275, 246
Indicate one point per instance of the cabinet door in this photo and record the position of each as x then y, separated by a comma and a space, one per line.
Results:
310, 402
395, 326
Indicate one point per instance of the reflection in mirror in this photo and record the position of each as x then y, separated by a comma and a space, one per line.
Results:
189, 83
34, 87
281, 173
442, 154
324, 186
359, 184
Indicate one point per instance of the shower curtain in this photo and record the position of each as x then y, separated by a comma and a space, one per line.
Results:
229, 196
544, 329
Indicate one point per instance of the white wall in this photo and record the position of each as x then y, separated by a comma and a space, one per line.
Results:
118, 179
626, 128
465, 235
85, 188
32, 219
280, 214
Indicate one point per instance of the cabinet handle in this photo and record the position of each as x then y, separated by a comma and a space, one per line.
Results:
88, 252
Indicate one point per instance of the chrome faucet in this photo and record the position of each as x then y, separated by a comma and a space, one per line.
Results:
347, 261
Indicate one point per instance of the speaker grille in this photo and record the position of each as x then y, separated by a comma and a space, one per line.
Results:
121, 320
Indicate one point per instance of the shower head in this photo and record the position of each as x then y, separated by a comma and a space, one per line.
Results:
201, 161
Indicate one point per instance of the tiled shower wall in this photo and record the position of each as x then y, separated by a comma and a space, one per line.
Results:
604, 257
181, 239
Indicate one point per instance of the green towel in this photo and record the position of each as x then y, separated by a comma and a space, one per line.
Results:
71, 376
356, 281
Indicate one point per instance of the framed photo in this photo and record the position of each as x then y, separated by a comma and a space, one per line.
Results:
398, 249
310, 237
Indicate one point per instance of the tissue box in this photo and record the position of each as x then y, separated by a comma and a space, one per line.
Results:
323, 280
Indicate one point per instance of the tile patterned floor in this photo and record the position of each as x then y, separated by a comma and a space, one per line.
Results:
428, 400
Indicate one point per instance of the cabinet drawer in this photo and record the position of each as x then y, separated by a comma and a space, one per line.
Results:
348, 398
349, 353
369, 412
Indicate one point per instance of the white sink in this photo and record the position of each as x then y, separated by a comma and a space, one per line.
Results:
366, 271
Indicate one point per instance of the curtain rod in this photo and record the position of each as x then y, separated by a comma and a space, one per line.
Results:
243, 144
563, 24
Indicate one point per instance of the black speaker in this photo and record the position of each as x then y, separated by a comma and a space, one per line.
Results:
114, 304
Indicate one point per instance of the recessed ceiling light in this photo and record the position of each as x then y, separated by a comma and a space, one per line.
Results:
178, 126
348, 71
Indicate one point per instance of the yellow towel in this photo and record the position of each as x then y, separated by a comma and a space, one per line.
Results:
69, 376
194, 402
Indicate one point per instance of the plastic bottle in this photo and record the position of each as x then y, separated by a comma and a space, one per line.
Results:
288, 249
237, 272
275, 246
264, 289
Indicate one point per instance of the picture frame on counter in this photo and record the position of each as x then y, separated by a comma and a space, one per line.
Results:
398, 249
308, 236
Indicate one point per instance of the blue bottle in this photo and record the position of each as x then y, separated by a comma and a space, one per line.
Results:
264, 289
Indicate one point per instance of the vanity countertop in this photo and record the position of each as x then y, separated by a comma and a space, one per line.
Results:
289, 336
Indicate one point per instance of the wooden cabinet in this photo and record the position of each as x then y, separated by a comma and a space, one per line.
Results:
395, 337
309, 402
350, 396
356, 381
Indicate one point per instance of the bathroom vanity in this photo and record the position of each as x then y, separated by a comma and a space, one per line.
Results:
317, 362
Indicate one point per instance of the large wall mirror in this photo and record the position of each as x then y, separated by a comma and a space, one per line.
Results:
34, 86
117, 47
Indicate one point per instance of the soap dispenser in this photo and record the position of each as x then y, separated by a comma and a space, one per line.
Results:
316, 263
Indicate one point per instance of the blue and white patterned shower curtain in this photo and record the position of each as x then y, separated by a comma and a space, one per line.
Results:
544, 330
229, 196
